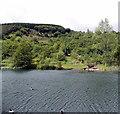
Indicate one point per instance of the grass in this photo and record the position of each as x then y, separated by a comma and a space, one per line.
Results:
107, 68
72, 64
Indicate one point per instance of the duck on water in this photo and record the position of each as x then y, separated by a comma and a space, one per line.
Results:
61, 111
31, 88
11, 111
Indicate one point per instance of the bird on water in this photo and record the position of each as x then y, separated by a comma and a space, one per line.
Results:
31, 88
61, 111
11, 111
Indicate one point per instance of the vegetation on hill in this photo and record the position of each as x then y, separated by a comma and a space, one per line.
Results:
47, 46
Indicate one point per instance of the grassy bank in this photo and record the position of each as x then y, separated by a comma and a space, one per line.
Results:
69, 64
108, 68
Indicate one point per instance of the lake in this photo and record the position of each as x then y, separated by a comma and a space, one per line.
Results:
53, 90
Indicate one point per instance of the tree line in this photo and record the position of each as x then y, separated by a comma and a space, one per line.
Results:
49, 46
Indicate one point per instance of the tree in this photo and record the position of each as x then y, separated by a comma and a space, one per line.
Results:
61, 56
104, 26
59, 65
8, 48
23, 55
105, 38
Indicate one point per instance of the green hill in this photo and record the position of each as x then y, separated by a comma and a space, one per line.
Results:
47, 30
48, 46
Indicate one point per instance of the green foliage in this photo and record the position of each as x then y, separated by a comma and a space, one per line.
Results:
54, 47
104, 26
108, 43
59, 65
23, 55
7, 62
46, 67
8, 48
61, 56
74, 55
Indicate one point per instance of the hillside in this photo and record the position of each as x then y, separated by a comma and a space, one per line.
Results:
47, 46
43, 30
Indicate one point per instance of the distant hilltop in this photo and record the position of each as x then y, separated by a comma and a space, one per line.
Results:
47, 30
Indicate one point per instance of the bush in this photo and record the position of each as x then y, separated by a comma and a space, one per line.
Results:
46, 67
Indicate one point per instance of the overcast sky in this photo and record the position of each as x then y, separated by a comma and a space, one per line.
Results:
73, 14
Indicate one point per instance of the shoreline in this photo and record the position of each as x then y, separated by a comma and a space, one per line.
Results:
72, 69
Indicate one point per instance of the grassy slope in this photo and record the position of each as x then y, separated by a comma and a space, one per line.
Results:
71, 63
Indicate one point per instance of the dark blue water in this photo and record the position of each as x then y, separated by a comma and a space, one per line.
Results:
70, 90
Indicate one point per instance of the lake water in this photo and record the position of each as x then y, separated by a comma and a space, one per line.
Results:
72, 91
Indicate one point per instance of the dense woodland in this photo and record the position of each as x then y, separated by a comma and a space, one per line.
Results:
47, 46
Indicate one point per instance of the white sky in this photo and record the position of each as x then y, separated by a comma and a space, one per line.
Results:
73, 14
